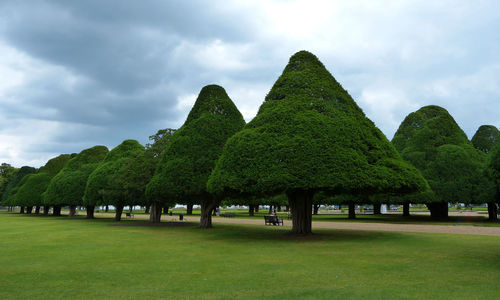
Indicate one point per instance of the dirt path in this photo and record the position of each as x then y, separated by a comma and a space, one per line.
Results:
458, 229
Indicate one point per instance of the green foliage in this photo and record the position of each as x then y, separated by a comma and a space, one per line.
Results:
10, 189
309, 134
118, 178
7, 173
492, 170
68, 186
433, 142
485, 138
159, 143
32, 186
189, 158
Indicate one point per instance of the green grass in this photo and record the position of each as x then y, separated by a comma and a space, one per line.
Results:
58, 257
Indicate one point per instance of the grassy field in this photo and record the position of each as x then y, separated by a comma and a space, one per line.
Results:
58, 257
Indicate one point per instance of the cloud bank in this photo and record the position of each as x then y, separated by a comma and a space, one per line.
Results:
82, 73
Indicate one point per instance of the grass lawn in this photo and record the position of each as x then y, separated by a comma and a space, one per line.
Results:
58, 257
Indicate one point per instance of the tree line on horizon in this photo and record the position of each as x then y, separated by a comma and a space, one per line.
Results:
309, 144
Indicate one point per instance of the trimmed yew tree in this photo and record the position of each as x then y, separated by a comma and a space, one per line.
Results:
308, 136
110, 183
68, 186
30, 192
493, 173
182, 174
11, 188
433, 142
485, 138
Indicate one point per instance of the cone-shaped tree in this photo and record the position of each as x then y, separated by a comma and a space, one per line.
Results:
493, 173
309, 135
106, 184
485, 138
30, 193
433, 142
68, 186
10, 189
182, 174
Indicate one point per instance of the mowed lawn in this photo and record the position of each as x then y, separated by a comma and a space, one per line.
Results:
58, 257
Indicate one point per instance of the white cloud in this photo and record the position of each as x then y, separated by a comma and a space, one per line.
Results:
75, 75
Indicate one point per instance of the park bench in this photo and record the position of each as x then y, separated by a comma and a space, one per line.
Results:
129, 215
273, 220
228, 215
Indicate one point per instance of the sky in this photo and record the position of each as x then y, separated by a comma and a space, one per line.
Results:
74, 74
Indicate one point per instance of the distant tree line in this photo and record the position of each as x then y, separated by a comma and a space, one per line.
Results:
309, 144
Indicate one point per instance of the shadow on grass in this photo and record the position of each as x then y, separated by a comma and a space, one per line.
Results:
149, 224
251, 233
413, 219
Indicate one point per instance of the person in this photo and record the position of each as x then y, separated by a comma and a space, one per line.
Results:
275, 218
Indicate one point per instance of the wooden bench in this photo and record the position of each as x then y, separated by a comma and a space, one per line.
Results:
273, 220
129, 215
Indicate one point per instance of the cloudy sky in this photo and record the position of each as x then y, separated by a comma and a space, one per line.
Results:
74, 74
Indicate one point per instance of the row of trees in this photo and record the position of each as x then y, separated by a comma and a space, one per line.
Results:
309, 144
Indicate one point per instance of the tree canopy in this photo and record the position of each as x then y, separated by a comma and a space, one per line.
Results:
10, 189
433, 142
309, 135
30, 192
68, 186
106, 184
181, 176
7, 173
159, 142
485, 138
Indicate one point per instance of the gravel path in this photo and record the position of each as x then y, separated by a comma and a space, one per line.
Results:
451, 229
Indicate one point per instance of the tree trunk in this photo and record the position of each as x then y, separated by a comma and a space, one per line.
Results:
301, 204
107, 208
90, 211
189, 209
376, 208
287, 208
251, 209
256, 208
147, 209
316, 208
439, 210
29, 209
279, 208
119, 211
72, 211
214, 211
352, 210
492, 211
406, 209
56, 211
37, 209
21, 211
155, 214
130, 208
206, 213
46, 210
165, 209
